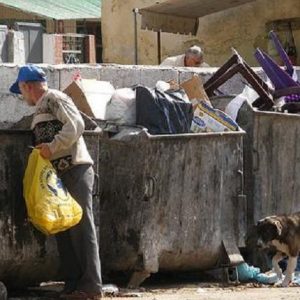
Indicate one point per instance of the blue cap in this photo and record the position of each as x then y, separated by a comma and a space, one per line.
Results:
28, 73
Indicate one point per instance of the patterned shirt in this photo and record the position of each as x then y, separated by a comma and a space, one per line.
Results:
58, 122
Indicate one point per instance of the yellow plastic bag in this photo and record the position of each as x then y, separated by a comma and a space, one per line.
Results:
50, 207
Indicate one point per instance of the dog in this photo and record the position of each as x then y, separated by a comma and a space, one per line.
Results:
282, 233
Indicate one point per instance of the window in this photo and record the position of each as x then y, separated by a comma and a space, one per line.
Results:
93, 28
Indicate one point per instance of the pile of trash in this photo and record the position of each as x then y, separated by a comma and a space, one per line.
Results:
189, 107
169, 108
245, 273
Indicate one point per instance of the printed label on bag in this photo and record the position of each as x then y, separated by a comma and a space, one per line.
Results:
53, 184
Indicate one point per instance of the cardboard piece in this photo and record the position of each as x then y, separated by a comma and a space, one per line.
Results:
195, 90
91, 96
208, 119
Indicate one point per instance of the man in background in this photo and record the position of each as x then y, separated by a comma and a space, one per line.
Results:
193, 57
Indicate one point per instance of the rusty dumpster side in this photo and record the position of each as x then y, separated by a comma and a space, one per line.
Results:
27, 257
272, 162
171, 203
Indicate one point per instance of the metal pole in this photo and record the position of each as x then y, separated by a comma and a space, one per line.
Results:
55, 26
159, 46
135, 13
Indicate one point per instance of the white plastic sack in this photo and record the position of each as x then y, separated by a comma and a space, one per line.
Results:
235, 104
162, 86
121, 108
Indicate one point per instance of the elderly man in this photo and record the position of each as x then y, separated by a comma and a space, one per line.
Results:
58, 127
193, 57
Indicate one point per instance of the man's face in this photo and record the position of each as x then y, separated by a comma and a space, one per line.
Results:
192, 61
26, 90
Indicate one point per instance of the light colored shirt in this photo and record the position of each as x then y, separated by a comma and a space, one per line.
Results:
178, 61
55, 105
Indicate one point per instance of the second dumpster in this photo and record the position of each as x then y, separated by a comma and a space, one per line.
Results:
271, 160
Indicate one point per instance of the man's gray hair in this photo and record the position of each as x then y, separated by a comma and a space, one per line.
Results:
195, 51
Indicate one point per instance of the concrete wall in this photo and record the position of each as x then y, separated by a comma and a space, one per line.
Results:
16, 47
3, 44
243, 27
49, 48
60, 76
12, 108
12, 46
53, 49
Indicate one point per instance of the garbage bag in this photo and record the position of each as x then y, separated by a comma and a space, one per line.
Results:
50, 207
163, 112
121, 107
248, 273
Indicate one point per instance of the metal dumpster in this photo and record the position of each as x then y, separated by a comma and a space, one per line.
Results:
26, 256
171, 203
167, 203
271, 160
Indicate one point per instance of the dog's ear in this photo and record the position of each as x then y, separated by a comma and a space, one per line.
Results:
277, 224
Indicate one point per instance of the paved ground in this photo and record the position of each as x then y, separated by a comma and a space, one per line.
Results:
214, 292
181, 289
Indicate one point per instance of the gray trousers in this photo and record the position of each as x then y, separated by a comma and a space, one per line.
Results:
78, 246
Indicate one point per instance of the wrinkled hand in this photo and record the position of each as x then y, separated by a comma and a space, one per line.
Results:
44, 150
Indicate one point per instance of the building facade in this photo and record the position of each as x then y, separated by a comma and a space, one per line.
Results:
244, 28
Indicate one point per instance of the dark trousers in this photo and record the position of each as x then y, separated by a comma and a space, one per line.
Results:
78, 246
